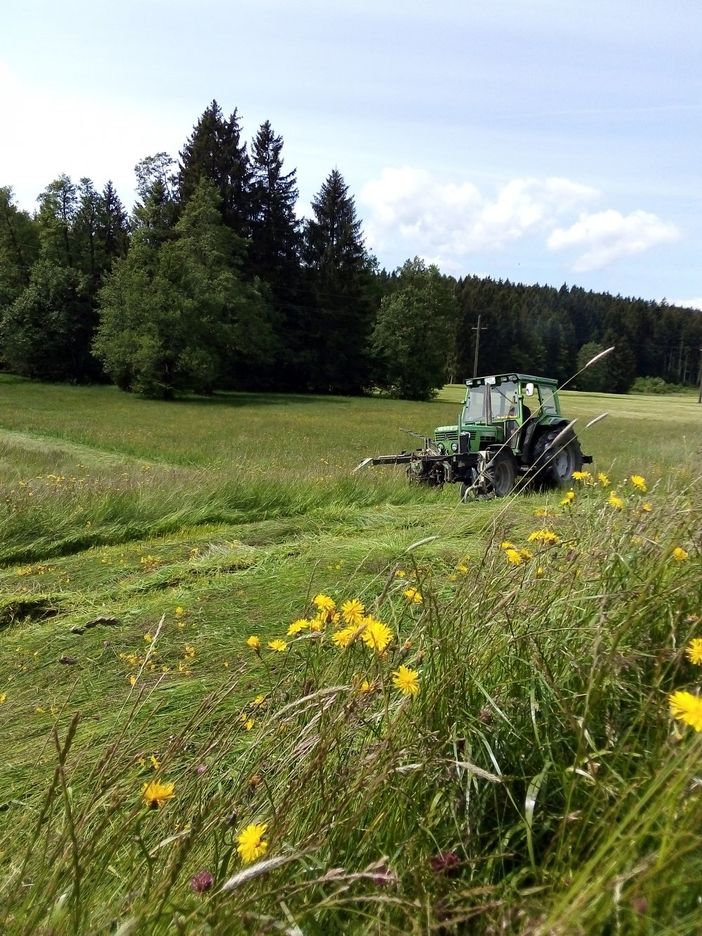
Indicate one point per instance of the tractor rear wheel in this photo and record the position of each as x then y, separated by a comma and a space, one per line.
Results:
502, 473
554, 467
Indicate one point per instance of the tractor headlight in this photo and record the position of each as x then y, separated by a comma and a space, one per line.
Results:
454, 446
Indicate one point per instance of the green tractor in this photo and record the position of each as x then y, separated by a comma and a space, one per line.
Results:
510, 432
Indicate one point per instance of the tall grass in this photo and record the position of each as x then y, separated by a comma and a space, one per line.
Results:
535, 784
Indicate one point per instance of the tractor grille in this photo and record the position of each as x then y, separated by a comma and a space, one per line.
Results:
446, 435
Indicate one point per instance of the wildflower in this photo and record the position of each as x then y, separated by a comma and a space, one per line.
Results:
279, 646
246, 722
157, 794
352, 611
316, 624
324, 603
132, 680
258, 701
375, 634
687, 708
615, 501
154, 761
647, 507
299, 625
250, 842
344, 638
543, 536
400, 573
542, 512
680, 554
462, 568
505, 544
254, 642
3, 697
189, 652
694, 651
445, 863
513, 556
366, 686
406, 680
413, 595
148, 638
525, 554
568, 499
201, 882
584, 476
603, 479
639, 482
179, 612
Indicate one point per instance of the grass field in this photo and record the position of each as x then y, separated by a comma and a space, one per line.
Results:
535, 783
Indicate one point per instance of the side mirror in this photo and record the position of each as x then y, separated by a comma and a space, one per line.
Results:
529, 389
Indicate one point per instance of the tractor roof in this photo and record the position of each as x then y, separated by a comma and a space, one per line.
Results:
517, 378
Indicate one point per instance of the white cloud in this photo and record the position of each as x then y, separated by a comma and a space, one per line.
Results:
412, 210
609, 235
446, 221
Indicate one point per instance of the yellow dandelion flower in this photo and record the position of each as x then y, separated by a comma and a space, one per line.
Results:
297, 626
647, 507
254, 642
694, 651
250, 843
3, 698
513, 556
568, 499
413, 595
179, 611
525, 554
505, 544
155, 762
542, 512
189, 652
278, 646
687, 708
615, 501
406, 680
352, 611
376, 635
680, 554
462, 568
366, 686
344, 638
247, 722
639, 482
316, 624
148, 638
132, 680
543, 536
583, 476
603, 479
157, 794
400, 573
324, 603
259, 700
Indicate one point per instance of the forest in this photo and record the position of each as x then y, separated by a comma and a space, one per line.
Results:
213, 282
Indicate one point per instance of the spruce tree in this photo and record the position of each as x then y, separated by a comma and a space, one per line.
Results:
19, 246
342, 293
214, 151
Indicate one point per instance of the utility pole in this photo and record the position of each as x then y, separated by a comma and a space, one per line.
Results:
477, 329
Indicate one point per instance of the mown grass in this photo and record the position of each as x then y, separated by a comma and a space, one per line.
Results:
536, 782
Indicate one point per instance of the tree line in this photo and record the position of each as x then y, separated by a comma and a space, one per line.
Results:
213, 282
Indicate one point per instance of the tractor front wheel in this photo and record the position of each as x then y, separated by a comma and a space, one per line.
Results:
554, 466
502, 473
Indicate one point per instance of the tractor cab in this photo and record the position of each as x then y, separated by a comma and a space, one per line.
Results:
504, 409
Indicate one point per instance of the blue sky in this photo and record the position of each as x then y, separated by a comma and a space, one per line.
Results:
537, 141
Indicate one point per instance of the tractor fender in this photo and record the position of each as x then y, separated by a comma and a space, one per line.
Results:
555, 422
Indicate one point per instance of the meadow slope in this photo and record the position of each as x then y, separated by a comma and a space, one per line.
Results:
534, 783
